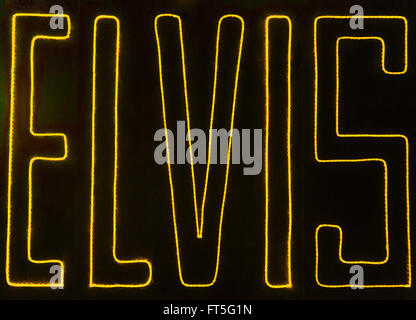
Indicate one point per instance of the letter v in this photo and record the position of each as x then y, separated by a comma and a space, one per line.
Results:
199, 217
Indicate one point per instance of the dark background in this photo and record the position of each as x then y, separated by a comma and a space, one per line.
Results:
348, 195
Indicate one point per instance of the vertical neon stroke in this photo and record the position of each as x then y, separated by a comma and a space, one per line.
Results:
199, 218
383, 162
288, 154
33, 159
92, 283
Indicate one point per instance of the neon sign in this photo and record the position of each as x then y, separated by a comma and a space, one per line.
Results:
203, 214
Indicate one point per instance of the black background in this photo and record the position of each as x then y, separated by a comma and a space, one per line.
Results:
348, 195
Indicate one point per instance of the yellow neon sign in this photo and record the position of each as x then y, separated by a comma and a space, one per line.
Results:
92, 283
288, 154
383, 162
33, 159
199, 218
199, 214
